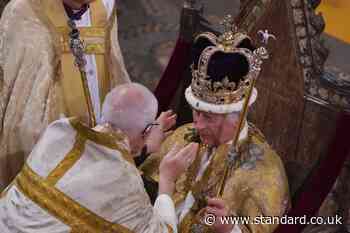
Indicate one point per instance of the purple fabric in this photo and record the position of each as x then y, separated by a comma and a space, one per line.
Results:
323, 179
75, 15
173, 74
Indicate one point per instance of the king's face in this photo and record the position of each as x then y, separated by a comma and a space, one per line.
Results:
215, 129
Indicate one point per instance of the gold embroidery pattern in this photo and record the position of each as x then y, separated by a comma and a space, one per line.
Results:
79, 218
238, 190
207, 185
85, 31
109, 140
69, 160
170, 229
95, 48
199, 190
93, 37
84, 133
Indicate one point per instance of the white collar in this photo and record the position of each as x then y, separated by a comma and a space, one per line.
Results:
243, 134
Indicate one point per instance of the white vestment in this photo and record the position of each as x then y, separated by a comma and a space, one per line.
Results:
38, 80
101, 180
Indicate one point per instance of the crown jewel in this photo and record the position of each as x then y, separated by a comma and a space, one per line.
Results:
229, 42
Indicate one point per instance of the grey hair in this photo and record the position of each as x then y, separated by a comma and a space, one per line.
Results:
233, 116
130, 107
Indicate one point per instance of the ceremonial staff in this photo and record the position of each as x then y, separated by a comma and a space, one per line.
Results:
77, 48
260, 54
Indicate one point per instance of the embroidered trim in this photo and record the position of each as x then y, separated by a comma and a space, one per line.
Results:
68, 162
83, 134
93, 37
109, 140
79, 218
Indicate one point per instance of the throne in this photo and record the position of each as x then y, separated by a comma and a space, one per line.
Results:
299, 101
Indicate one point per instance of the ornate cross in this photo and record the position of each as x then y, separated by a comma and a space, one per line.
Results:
229, 24
265, 36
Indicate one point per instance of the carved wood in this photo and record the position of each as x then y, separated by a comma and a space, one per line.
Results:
298, 101
280, 106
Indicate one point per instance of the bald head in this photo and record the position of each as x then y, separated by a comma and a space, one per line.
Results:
130, 107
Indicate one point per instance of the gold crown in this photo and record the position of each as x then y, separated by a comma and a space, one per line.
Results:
226, 92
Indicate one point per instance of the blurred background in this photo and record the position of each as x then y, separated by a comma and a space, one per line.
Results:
149, 28
300, 95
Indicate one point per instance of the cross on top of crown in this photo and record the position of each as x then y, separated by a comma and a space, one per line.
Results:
192, 2
229, 24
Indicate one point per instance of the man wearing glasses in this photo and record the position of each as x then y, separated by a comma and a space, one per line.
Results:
79, 179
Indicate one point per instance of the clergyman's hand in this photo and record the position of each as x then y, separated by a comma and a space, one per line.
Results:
175, 163
167, 120
158, 133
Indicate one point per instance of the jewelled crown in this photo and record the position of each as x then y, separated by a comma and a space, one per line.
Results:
224, 66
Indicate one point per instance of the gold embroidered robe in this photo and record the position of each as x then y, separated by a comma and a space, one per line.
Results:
38, 80
78, 180
258, 186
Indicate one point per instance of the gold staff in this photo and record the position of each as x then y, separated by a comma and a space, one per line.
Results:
233, 152
77, 48
260, 53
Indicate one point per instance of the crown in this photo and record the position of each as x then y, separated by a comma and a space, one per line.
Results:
230, 44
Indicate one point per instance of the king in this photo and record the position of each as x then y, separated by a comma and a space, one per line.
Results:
236, 172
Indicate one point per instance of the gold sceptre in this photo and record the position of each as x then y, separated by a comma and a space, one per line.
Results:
260, 54
77, 48
233, 152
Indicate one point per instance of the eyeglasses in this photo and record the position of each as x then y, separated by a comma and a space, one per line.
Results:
148, 128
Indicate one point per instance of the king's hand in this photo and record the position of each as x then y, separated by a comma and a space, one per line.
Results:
218, 208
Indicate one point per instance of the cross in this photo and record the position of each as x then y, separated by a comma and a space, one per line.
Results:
265, 36
191, 3
229, 24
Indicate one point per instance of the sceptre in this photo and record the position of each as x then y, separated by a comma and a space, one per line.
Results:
77, 48
260, 53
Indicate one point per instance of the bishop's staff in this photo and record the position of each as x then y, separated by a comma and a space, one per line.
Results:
259, 55
77, 48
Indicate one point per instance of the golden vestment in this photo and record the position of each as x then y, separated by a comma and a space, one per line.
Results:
256, 186
38, 79
80, 180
